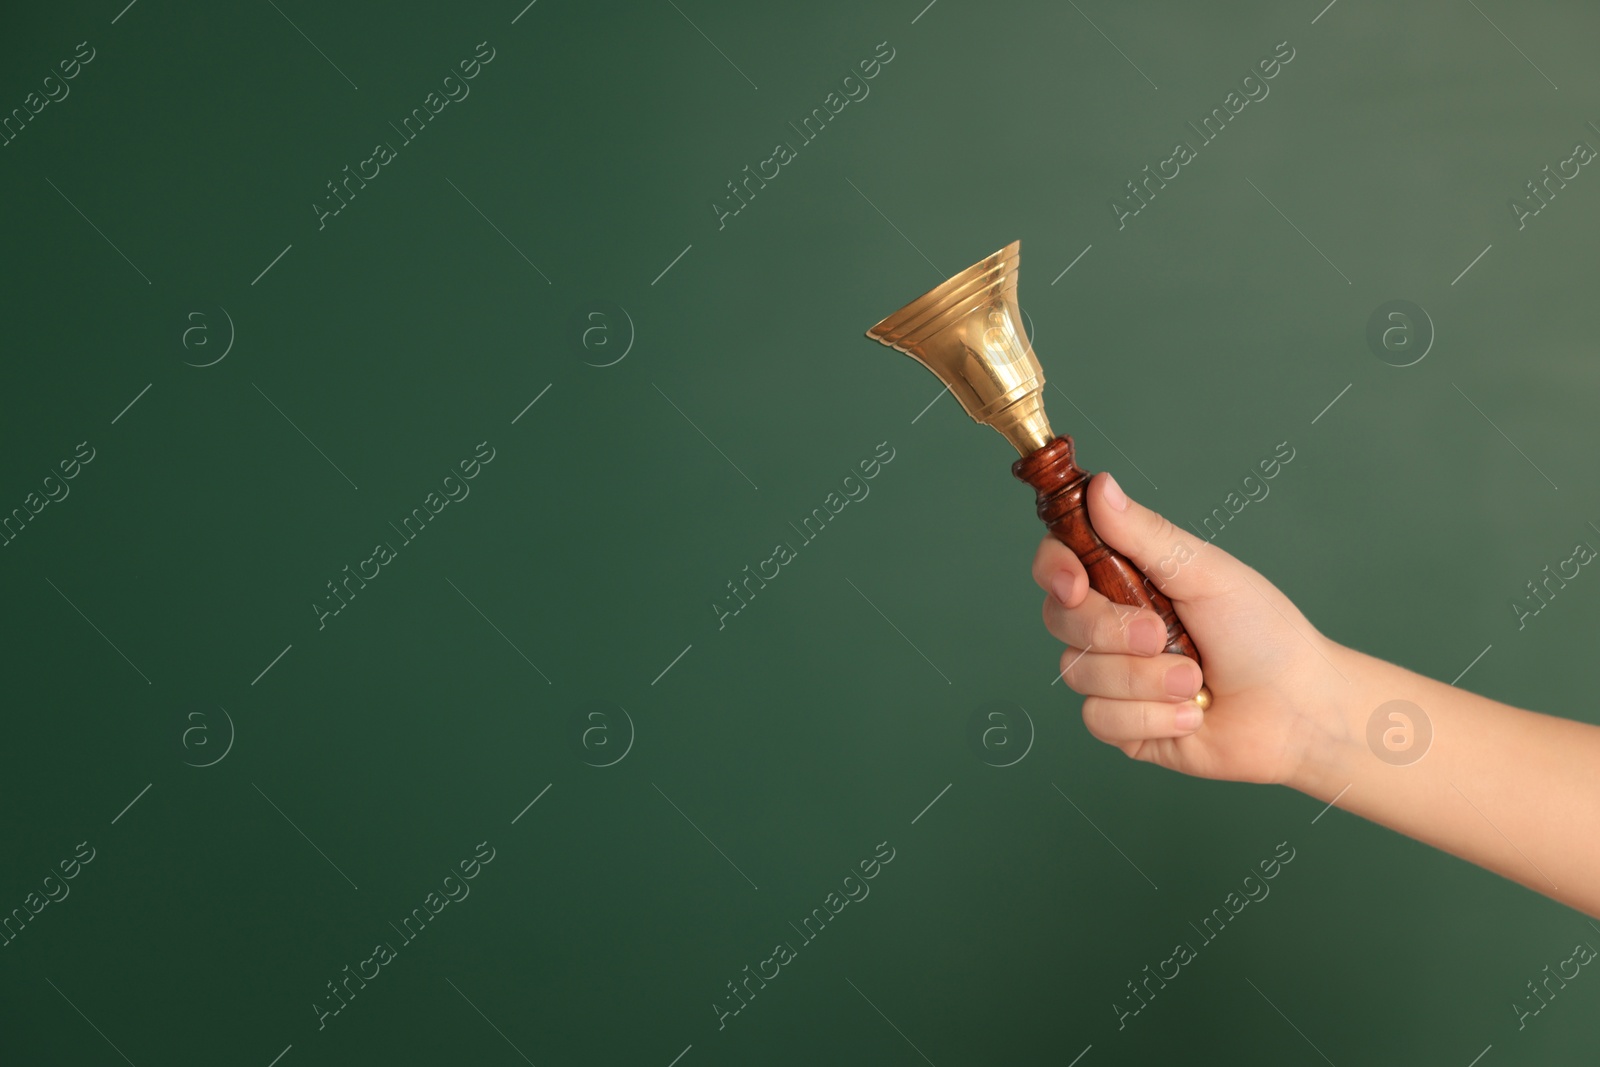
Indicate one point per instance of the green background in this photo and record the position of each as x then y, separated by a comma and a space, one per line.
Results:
779, 751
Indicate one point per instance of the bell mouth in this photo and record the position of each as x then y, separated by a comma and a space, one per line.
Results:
950, 301
968, 332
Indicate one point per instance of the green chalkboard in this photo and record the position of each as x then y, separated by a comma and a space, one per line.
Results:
397, 399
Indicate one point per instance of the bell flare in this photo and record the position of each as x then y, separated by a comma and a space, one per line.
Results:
968, 331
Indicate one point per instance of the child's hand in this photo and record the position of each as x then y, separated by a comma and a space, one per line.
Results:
1291, 707
1278, 686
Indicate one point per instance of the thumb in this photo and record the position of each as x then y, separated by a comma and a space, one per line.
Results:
1181, 565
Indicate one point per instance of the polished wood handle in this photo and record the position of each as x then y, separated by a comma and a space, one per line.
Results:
1061, 485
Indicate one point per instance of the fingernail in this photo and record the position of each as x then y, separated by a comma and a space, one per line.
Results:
1188, 718
1146, 636
1183, 680
1114, 494
1061, 586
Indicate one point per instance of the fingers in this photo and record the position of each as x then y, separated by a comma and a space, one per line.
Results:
1183, 566
1134, 692
1168, 678
1180, 564
1135, 698
1103, 626
1077, 615
1058, 572
1119, 722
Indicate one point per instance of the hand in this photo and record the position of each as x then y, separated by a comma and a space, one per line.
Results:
1277, 693
1289, 706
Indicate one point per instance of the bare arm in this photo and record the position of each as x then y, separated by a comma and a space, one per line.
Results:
1514, 791
1511, 790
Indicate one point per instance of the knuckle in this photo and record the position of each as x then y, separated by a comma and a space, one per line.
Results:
1073, 671
1132, 682
1110, 630
1046, 562
1148, 726
1094, 718
1040, 571
1166, 533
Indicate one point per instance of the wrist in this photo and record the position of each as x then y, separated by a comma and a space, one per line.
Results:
1335, 747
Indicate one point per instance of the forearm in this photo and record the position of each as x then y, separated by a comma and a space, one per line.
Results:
1511, 790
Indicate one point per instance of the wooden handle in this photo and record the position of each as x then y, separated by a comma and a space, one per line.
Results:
1061, 485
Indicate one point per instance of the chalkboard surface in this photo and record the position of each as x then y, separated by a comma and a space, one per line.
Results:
399, 398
